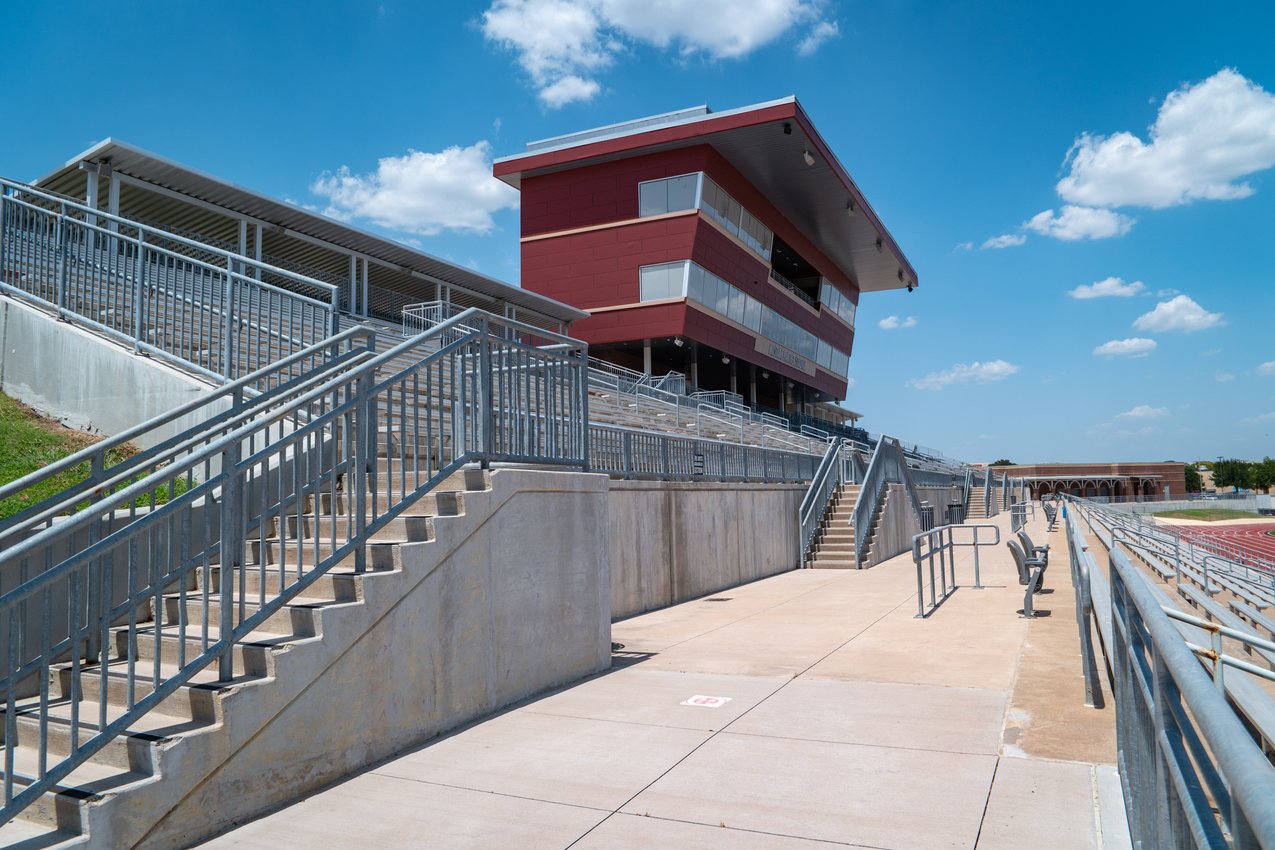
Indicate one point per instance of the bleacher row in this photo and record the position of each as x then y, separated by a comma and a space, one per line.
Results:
1219, 590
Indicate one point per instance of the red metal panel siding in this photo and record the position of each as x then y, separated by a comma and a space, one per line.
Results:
647, 322
596, 194
599, 268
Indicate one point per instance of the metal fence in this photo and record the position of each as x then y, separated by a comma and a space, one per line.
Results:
93, 589
207, 309
633, 453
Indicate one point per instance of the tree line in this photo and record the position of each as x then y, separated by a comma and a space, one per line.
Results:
1240, 474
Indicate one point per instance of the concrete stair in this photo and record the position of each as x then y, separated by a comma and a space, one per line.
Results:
976, 509
152, 752
833, 548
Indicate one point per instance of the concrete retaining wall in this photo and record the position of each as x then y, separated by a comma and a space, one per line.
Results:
84, 380
673, 541
509, 600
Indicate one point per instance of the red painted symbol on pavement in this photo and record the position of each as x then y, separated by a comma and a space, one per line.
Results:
706, 702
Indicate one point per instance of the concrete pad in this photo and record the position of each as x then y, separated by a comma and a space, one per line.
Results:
1038, 803
381, 811
594, 763
655, 697
947, 649
875, 796
635, 832
962, 720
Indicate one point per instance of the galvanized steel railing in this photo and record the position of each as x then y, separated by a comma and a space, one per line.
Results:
815, 503
81, 591
942, 543
1192, 774
888, 466
207, 309
632, 453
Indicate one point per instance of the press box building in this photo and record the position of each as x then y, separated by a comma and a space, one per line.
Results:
730, 246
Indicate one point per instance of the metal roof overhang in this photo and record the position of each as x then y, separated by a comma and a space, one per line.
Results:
171, 177
815, 198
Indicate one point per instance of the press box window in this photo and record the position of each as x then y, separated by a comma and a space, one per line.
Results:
671, 194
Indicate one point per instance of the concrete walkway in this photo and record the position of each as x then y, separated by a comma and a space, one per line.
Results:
835, 718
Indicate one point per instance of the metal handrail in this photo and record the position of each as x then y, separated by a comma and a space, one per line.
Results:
815, 503
888, 465
226, 404
1192, 774
493, 398
942, 542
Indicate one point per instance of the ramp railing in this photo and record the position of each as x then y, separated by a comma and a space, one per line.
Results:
941, 543
202, 307
484, 397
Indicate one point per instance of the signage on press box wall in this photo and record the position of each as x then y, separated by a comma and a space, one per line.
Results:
697, 463
783, 355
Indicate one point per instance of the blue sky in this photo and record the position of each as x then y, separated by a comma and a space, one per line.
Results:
962, 123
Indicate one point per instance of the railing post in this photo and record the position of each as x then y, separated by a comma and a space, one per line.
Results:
228, 322
4, 235
486, 392
364, 412
231, 552
626, 446
63, 271
139, 293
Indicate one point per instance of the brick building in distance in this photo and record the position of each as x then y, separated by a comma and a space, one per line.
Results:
730, 246
1116, 481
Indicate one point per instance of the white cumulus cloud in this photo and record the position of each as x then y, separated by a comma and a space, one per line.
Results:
1205, 138
420, 192
1177, 314
1005, 240
1073, 223
1144, 411
1111, 287
823, 31
961, 373
563, 44
1135, 347
1267, 368
890, 323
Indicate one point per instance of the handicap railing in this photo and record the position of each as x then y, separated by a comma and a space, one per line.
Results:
633, 453
941, 543
1018, 513
86, 588
207, 309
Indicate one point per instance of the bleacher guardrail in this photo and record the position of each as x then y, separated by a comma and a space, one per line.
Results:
634, 453
204, 308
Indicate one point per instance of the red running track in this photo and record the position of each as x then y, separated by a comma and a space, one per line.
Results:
1257, 539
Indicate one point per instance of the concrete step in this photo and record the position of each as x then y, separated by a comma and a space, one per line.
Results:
62, 810
193, 701
295, 619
